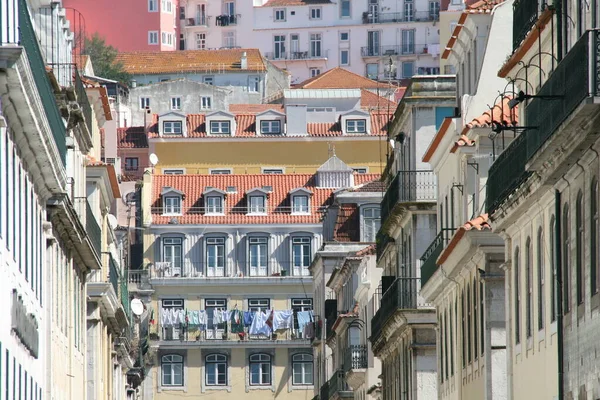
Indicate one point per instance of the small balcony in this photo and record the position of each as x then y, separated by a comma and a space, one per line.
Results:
406, 188
318, 330
114, 304
397, 50
93, 229
297, 55
525, 14
84, 102
336, 387
403, 294
199, 21
429, 258
227, 20
356, 362
395, 17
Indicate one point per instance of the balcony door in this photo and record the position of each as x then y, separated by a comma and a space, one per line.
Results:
315, 45
373, 42
373, 11
172, 254
215, 326
294, 45
215, 257
279, 46
258, 256
301, 254
201, 14
170, 306
408, 41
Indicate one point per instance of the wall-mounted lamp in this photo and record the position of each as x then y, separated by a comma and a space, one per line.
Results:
521, 97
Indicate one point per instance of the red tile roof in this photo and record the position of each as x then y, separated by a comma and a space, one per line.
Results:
278, 203
367, 251
132, 138
347, 224
189, 61
373, 186
500, 113
370, 100
483, 6
340, 78
479, 223
254, 108
463, 141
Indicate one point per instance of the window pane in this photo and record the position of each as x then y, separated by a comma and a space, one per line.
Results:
308, 373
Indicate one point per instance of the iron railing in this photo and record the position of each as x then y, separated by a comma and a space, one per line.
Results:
525, 13
226, 19
337, 384
113, 274
93, 229
37, 64
403, 294
124, 294
83, 101
381, 241
398, 50
198, 21
193, 269
329, 322
297, 55
382, 18
429, 258
356, 357
408, 187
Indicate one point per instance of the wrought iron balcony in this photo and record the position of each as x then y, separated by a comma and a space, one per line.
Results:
82, 99
525, 14
428, 266
382, 240
408, 187
403, 294
297, 55
398, 50
163, 270
124, 294
384, 18
356, 357
200, 20
336, 387
113, 274
226, 19
93, 229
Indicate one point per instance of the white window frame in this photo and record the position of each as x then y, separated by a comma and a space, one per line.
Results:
175, 360
270, 127
208, 80
300, 209
347, 51
254, 84
347, 33
171, 127
214, 205
201, 41
205, 102
174, 171
371, 221
261, 360
144, 102
229, 39
217, 268
220, 171
216, 360
315, 38
361, 170
260, 207
304, 244
300, 360
214, 331
172, 205
176, 103
152, 5
279, 15
220, 127
315, 13
272, 170
172, 253
349, 9
356, 126
315, 72
152, 37
259, 264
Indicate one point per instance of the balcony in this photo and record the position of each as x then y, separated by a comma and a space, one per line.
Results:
398, 50
336, 387
297, 55
199, 21
407, 187
386, 18
429, 258
93, 229
318, 329
403, 294
108, 289
382, 240
124, 295
83, 101
227, 20
525, 14
356, 362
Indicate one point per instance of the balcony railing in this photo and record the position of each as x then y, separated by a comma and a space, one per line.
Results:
429, 258
337, 384
93, 229
137, 275
124, 294
525, 13
397, 50
191, 269
382, 240
355, 357
329, 322
38, 68
297, 55
383, 18
83, 101
226, 20
113, 274
198, 21
408, 187
403, 294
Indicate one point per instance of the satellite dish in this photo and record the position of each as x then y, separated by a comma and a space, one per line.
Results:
112, 221
153, 159
137, 307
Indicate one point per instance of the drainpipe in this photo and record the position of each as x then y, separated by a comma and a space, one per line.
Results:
559, 297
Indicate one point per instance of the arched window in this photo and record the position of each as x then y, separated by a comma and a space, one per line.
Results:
566, 253
215, 367
172, 370
517, 292
579, 226
594, 235
260, 369
553, 300
541, 277
302, 369
528, 287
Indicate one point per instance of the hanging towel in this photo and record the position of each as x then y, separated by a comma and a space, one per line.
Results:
226, 315
165, 318
304, 319
269, 321
282, 319
248, 317
202, 317
259, 324
217, 317
237, 322
194, 318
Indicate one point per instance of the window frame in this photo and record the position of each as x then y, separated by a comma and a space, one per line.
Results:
347, 52
579, 250
260, 245
174, 171
173, 125
204, 100
594, 236
172, 363
261, 363
218, 360
302, 363
342, 16
221, 125
370, 219
277, 11
220, 245
208, 80
529, 288
566, 254
153, 5
303, 242
132, 167
347, 33
517, 297
273, 127
174, 208
214, 209
175, 103
315, 10
354, 125
144, 102
554, 288
541, 272
257, 209
153, 35
299, 209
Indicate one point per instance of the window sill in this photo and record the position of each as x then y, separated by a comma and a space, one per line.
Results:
173, 388
216, 388
261, 387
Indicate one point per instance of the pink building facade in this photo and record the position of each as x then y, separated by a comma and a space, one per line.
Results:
131, 25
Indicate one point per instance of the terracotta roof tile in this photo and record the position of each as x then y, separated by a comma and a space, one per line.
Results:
160, 62
254, 108
367, 251
347, 224
370, 100
483, 6
480, 223
283, 3
132, 138
500, 113
340, 78
377, 186
463, 141
278, 203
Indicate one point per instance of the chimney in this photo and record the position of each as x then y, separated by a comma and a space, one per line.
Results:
244, 61
147, 119
296, 119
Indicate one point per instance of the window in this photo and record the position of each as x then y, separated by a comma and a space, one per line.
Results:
175, 103
214, 205
172, 127
344, 57
300, 205
315, 13
220, 171
172, 253
205, 103
373, 43
579, 239
172, 205
215, 256
566, 260
315, 45
554, 288
258, 256
372, 71
215, 366
280, 14
214, 330
174, 171
344, 36
131, 163
201, 42
320, 109
152, 6
144, 103
345, 8
256, 305
272, 171
257, 205
301, 255
360, 170
408, 11
408, 41
434, 10
152, 37
279, 47
356, 125
371, 223
541, 278
209, 80
172, 370
229, 39
314, 72
302, 369
220, 127
260, 369
273, 126
594, 235
529, 288
254, 84
181, 12
408, 69
517, 293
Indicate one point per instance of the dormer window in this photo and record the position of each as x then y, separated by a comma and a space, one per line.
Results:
371, 223
300, 204
257, 205
356, 125
172, 127
172, 205
270, 127
214, 205
220, 127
